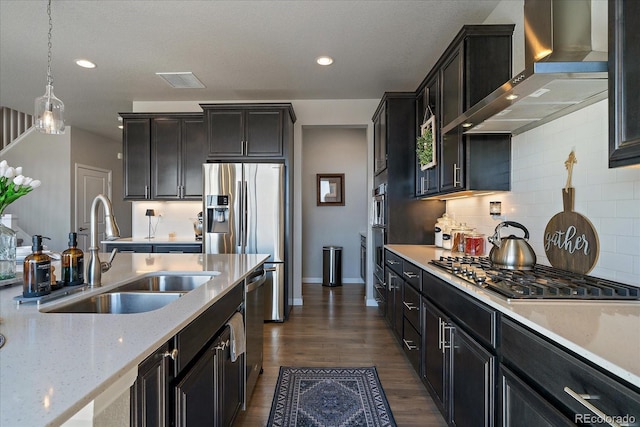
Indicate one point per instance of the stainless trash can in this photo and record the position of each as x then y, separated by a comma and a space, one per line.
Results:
332, 266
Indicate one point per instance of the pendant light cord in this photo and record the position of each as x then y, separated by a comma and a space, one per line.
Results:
49, 77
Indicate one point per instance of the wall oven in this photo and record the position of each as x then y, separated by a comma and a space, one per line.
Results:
379, 207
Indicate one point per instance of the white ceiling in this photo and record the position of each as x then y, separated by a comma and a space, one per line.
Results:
240, 50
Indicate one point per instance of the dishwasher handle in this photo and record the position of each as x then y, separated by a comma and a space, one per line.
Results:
256, 280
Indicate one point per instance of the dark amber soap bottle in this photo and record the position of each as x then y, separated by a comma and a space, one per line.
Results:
72, 263
36, 274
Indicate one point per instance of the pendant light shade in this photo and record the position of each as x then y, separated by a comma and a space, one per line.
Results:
49, 116
49, 110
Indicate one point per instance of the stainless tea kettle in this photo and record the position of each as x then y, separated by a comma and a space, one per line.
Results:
511, 253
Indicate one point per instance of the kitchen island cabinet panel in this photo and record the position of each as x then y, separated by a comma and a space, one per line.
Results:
149, 393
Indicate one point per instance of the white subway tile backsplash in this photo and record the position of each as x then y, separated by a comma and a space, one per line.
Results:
627, 208
609, 198
628, 245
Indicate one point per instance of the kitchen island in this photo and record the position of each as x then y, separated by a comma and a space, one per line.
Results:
54, 364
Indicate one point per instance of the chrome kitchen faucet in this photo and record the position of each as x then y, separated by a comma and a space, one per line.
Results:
95, 267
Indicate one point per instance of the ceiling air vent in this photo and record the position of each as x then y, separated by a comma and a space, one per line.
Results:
182, 80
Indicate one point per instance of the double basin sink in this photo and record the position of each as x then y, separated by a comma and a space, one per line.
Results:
139, 295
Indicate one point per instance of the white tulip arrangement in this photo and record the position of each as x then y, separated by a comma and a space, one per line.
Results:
13, 184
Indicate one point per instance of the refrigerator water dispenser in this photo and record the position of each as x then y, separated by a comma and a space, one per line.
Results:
218, 213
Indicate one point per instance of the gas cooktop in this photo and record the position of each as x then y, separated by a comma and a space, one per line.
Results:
541, 282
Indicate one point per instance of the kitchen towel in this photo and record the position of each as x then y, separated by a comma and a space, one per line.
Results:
238, 339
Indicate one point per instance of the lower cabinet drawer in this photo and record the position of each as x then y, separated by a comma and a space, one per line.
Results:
380, 295
573, 384
411, 305
411, 343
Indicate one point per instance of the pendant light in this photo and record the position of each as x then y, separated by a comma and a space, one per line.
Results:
49, 112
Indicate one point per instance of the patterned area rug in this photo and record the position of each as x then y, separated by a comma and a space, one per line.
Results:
329, 397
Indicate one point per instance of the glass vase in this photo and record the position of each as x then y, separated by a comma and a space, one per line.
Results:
7, 253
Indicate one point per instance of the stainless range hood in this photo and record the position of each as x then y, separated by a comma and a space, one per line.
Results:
563, 73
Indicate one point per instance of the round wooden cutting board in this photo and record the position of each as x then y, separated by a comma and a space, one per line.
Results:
570, 240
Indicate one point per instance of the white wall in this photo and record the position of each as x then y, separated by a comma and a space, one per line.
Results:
609, 198
334, 150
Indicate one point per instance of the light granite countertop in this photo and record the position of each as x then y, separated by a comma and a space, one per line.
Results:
53, 364
154, 241
606, 333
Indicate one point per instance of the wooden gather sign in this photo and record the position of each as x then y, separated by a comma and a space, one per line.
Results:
570, 240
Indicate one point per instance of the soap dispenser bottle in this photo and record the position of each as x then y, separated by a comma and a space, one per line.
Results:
36, 273
72, 261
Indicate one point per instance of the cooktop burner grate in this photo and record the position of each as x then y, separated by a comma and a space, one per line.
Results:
541, 282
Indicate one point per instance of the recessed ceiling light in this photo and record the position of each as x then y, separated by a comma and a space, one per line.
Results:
85, 63
324, 60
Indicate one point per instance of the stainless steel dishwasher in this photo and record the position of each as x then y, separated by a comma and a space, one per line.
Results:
254, 325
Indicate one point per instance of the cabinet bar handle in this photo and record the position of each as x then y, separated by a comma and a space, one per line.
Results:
409, 306
422, 190
440, 334
392, 262
173, 354
146, 191
446, 328
456, 175
410, 275
409, 345
582, 399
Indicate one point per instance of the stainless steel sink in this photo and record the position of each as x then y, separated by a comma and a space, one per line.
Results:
165, 283
120, 303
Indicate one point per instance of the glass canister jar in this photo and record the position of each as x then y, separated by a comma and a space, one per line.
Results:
446, 236
474, 243
441, 223
457, 237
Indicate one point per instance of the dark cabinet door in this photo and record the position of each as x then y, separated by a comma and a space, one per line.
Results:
522, 406
435, 358
245, 133
194, 154
473, 382
391, 282
231, 387
452, 105
165, 158
196, 393
226, 133
137, 147
380, 141
263, 134
624, 84
149, 394
427, 180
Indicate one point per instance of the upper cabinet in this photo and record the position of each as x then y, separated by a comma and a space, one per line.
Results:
380, 140
477, 61
163, 156
237, 131
624, 84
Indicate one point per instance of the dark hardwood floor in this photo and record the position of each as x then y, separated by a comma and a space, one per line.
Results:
335, 328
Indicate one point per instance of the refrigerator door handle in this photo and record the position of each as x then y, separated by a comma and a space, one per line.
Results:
245, 216
239, 226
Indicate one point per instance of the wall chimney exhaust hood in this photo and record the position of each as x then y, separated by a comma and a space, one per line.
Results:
563, 74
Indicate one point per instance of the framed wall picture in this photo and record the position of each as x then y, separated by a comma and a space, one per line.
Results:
330, 189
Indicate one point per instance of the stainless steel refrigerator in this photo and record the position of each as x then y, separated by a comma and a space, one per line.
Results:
244, 212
